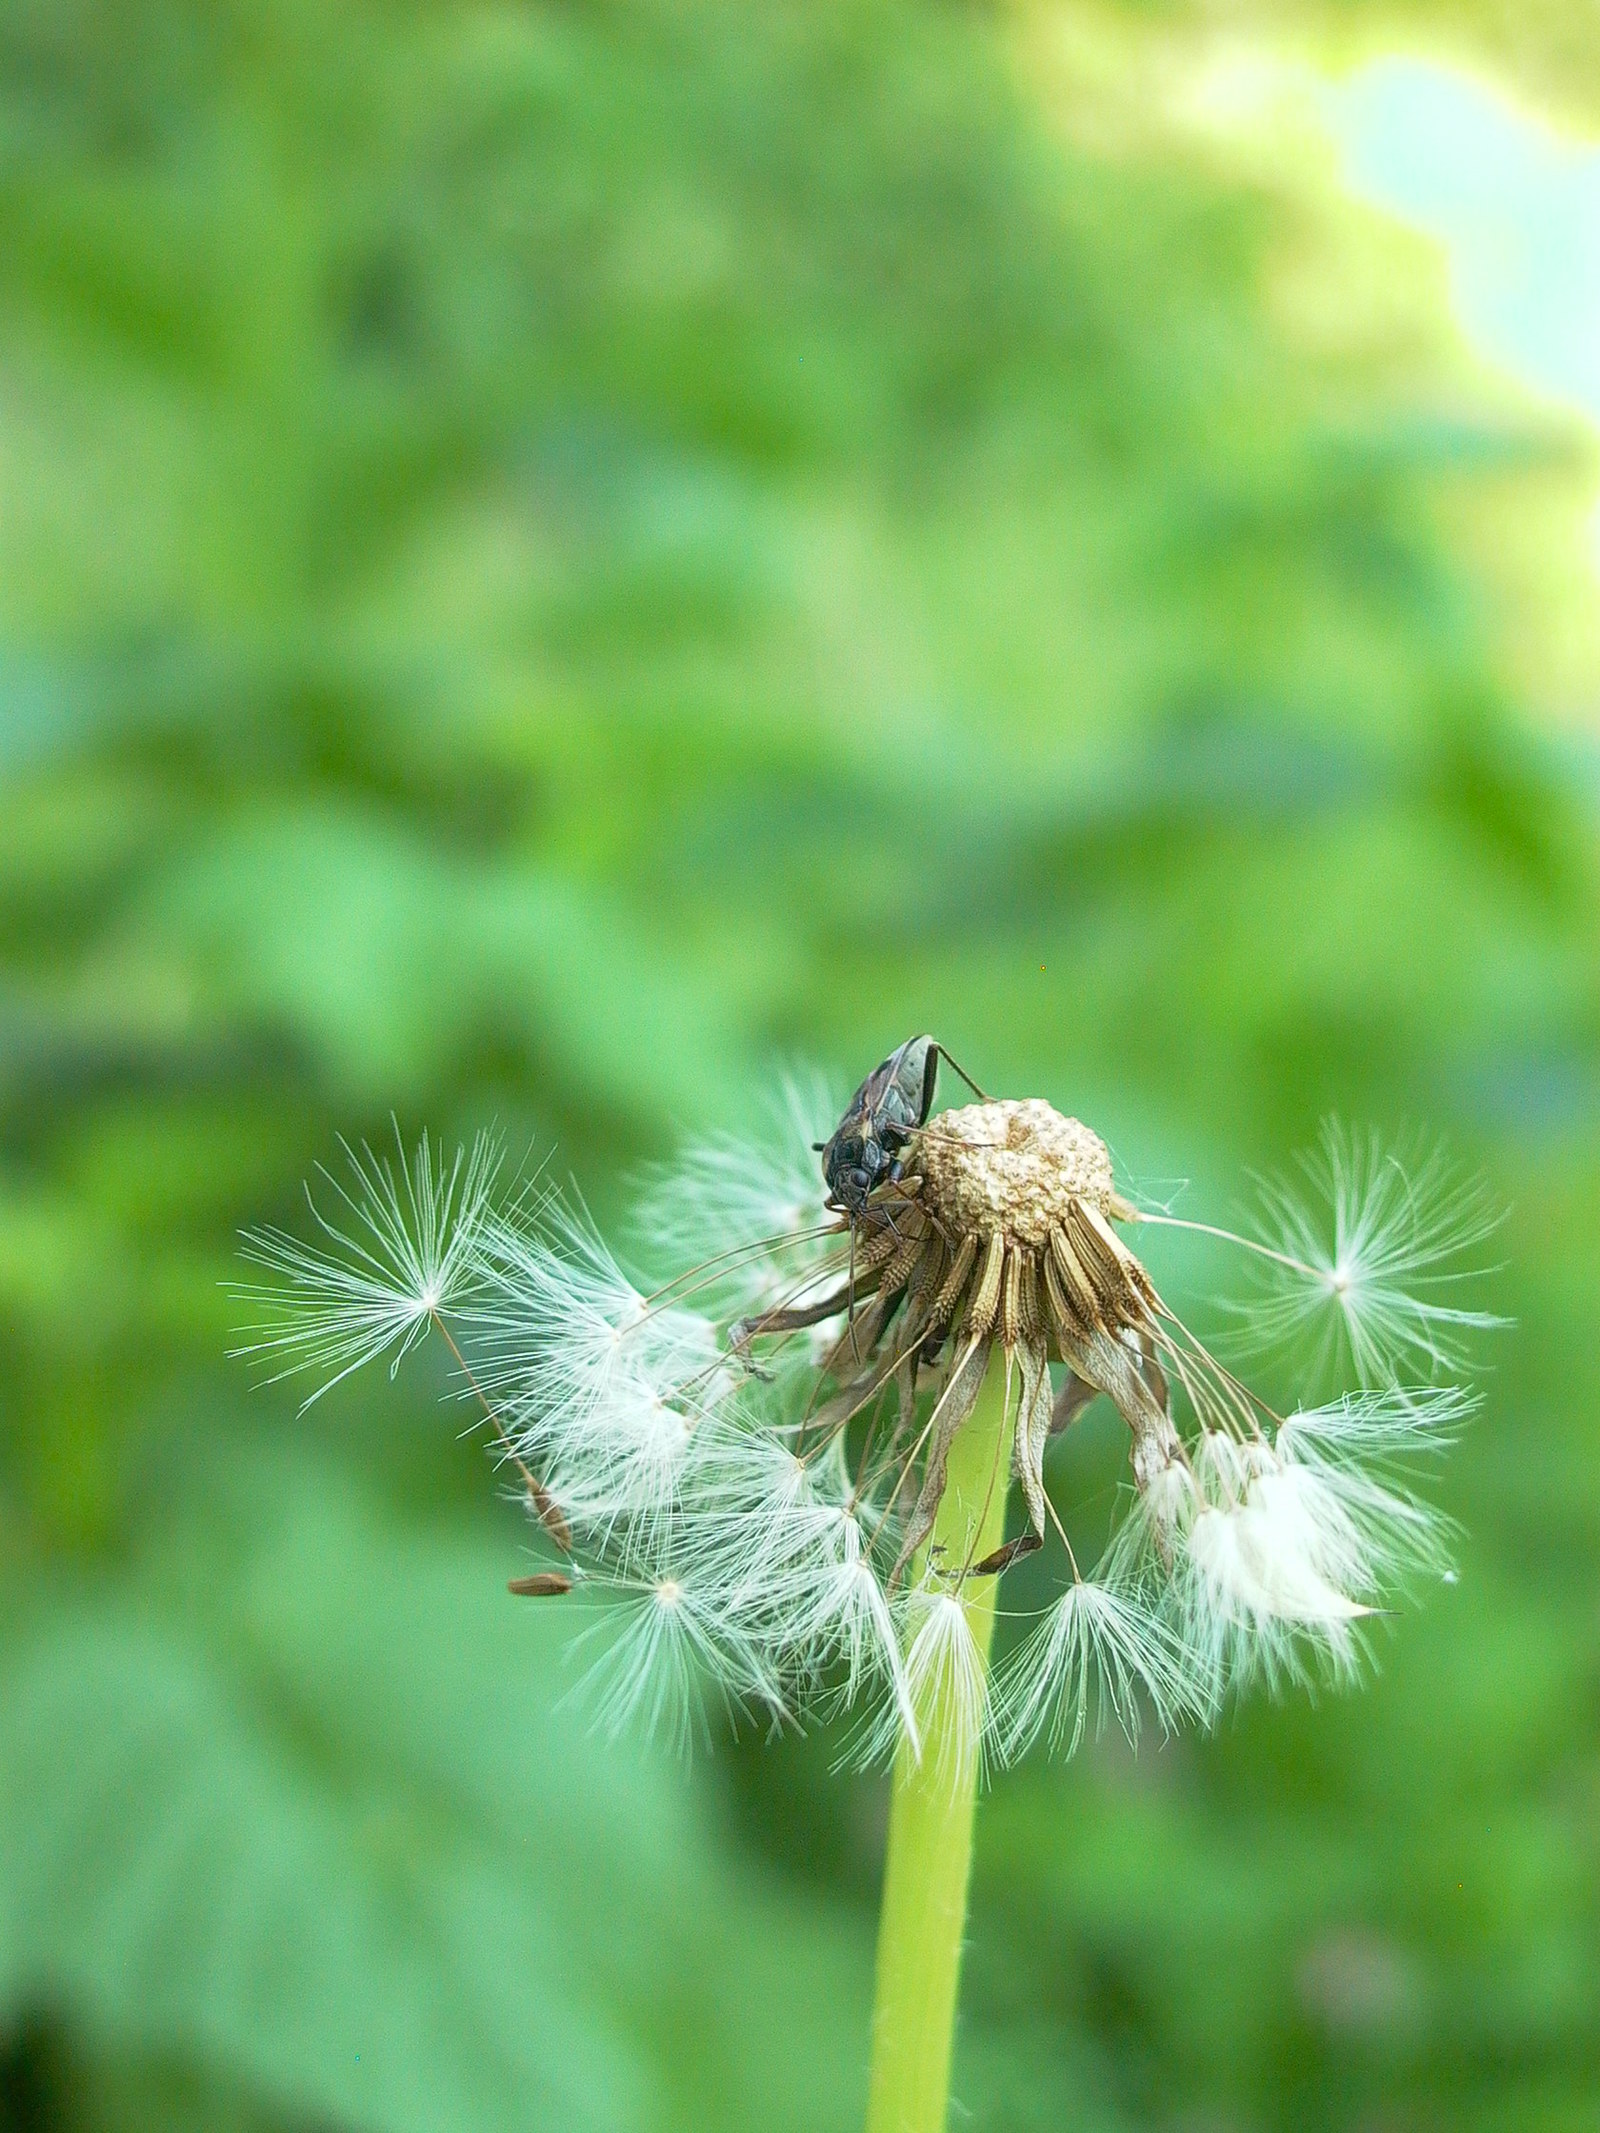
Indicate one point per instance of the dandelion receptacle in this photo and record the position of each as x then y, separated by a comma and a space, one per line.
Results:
772, 1449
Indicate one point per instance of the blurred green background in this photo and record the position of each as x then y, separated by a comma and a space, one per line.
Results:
553, 557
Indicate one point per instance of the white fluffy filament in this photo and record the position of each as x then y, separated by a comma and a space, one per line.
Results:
1091, 1655
945, 1718
1369, 1249
404, 1251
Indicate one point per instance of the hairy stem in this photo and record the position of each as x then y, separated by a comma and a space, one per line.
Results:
930, 1820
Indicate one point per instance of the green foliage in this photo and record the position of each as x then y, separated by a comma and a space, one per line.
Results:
551, 556
326, 1823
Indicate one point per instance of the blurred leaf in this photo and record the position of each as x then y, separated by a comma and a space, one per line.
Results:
301, 1802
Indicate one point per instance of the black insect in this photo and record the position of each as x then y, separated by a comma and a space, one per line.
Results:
869, 1141
865, 1151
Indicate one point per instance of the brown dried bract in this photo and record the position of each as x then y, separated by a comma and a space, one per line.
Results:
1024, 1199
999, 1230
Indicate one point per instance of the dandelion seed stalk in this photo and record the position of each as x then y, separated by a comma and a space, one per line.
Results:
929, 1860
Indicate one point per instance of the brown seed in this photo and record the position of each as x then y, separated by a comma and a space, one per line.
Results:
1107, 1262
1010, 1312
898, 1272
1001, 1559
1070, 1325
925, 1275
1028, 1296
986, 1295
953, 1283
873, 1251
543, 1585
1099, 1265
1132, 1271
1076, 1287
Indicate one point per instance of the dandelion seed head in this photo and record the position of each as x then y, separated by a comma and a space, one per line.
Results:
736, 1437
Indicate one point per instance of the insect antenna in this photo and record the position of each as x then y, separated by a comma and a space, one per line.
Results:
944, 1054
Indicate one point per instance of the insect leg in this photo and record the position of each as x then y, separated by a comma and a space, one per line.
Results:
851, 1320
961, 1070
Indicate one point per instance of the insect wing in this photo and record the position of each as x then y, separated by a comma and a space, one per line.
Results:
890, 1104
908, 1075
856, 1123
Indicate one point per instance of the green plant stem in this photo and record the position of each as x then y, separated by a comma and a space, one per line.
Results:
930, 1818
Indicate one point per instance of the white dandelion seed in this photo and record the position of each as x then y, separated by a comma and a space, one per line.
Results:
563, 1333
669, 1659
1139, 1556
788, 1519
625, 1459
1393, 1431
1368, 1253
1173, 1497
1090, 1656
943, 1721
829, 1598
1265, 1556
708, 1220
1225, 1465
1251, 1601
1362, 1454
793, 1546
1307, 1523
846, 1617
403, 1251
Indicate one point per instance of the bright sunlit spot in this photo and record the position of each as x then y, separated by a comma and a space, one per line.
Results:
1514, 202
